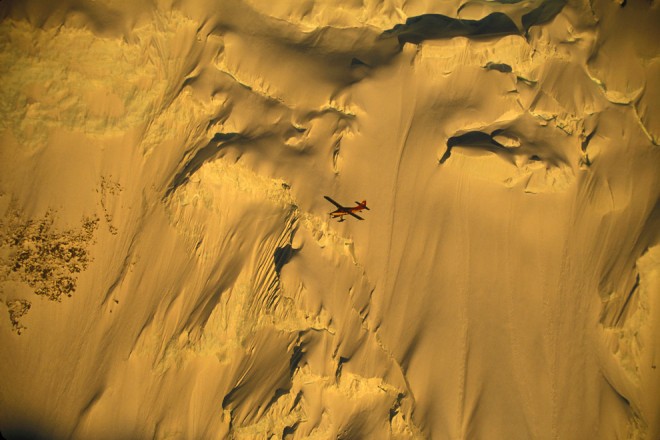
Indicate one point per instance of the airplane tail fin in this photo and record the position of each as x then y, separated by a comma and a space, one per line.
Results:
363, 203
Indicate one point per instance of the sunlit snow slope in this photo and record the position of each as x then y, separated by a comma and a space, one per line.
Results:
168, 268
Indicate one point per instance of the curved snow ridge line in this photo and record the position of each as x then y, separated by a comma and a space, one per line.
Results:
405, 403
344, 402
655, 140
266, 293
625, 315
264, 279
266, 282
533, 176
631, 99
281, 418
350, 394
542, 167
339, 17
258, 314
616, 96
507, 55
242, 179
257, 287
338, 30
263, 303
401, 411
327, 236
209, 144
277, 191
183, 118
262, 90
269, 92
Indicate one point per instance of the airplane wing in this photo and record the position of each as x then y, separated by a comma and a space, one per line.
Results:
333, 202
355, 215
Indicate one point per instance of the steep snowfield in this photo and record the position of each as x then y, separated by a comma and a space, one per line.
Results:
169, 269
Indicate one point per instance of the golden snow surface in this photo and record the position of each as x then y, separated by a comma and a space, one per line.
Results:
169, 270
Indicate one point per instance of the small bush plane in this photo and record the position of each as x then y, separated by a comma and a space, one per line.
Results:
341, 211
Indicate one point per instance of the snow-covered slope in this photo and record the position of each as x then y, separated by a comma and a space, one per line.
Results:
169, 268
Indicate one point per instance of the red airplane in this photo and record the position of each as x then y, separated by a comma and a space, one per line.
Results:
341, 211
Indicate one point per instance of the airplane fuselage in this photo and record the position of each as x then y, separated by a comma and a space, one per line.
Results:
341, 211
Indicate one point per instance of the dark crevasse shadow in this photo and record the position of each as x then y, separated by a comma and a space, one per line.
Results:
474, 139
500, 67
282, 256
438, 26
